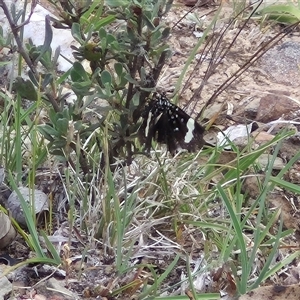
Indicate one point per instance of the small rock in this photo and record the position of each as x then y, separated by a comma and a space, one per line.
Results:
282, 63
39, 198
265, 159
289, 148
7, 231
198, 2
57, 286
273, 106
5, 288
293, 174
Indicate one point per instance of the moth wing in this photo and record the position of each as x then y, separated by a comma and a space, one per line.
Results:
168, 124
186, 131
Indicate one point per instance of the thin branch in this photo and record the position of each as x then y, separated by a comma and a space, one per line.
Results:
15, 29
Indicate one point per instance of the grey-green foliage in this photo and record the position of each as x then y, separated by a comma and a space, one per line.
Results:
126, 46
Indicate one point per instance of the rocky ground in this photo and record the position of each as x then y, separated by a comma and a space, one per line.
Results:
268, 91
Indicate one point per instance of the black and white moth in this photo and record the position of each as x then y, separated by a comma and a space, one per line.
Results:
168, 124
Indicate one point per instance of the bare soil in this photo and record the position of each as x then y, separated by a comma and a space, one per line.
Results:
275, 74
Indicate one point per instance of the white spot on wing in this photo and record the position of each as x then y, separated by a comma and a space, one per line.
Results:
157, 118
148, 124
190, 126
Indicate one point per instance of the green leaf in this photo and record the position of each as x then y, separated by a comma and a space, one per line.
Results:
131, 80
53, 116
4, 63
136, 99
48, 132
32, 78
78, 73
76, 33
66, 113
165, 33
62, 125
81, 88
119, 69
106, 78
117, 3
104, 21
56, 56
286, 9
286, 185
47, 80
48, 39
94, 8
25, 88
64, 77
59, 144
51, 248
110, 39
102, 33
58, 153
148, 22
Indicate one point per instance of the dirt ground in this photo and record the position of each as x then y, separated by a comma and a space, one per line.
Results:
273, 81
277, 72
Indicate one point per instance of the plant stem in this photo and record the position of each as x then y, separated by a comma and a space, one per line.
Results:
15, 29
